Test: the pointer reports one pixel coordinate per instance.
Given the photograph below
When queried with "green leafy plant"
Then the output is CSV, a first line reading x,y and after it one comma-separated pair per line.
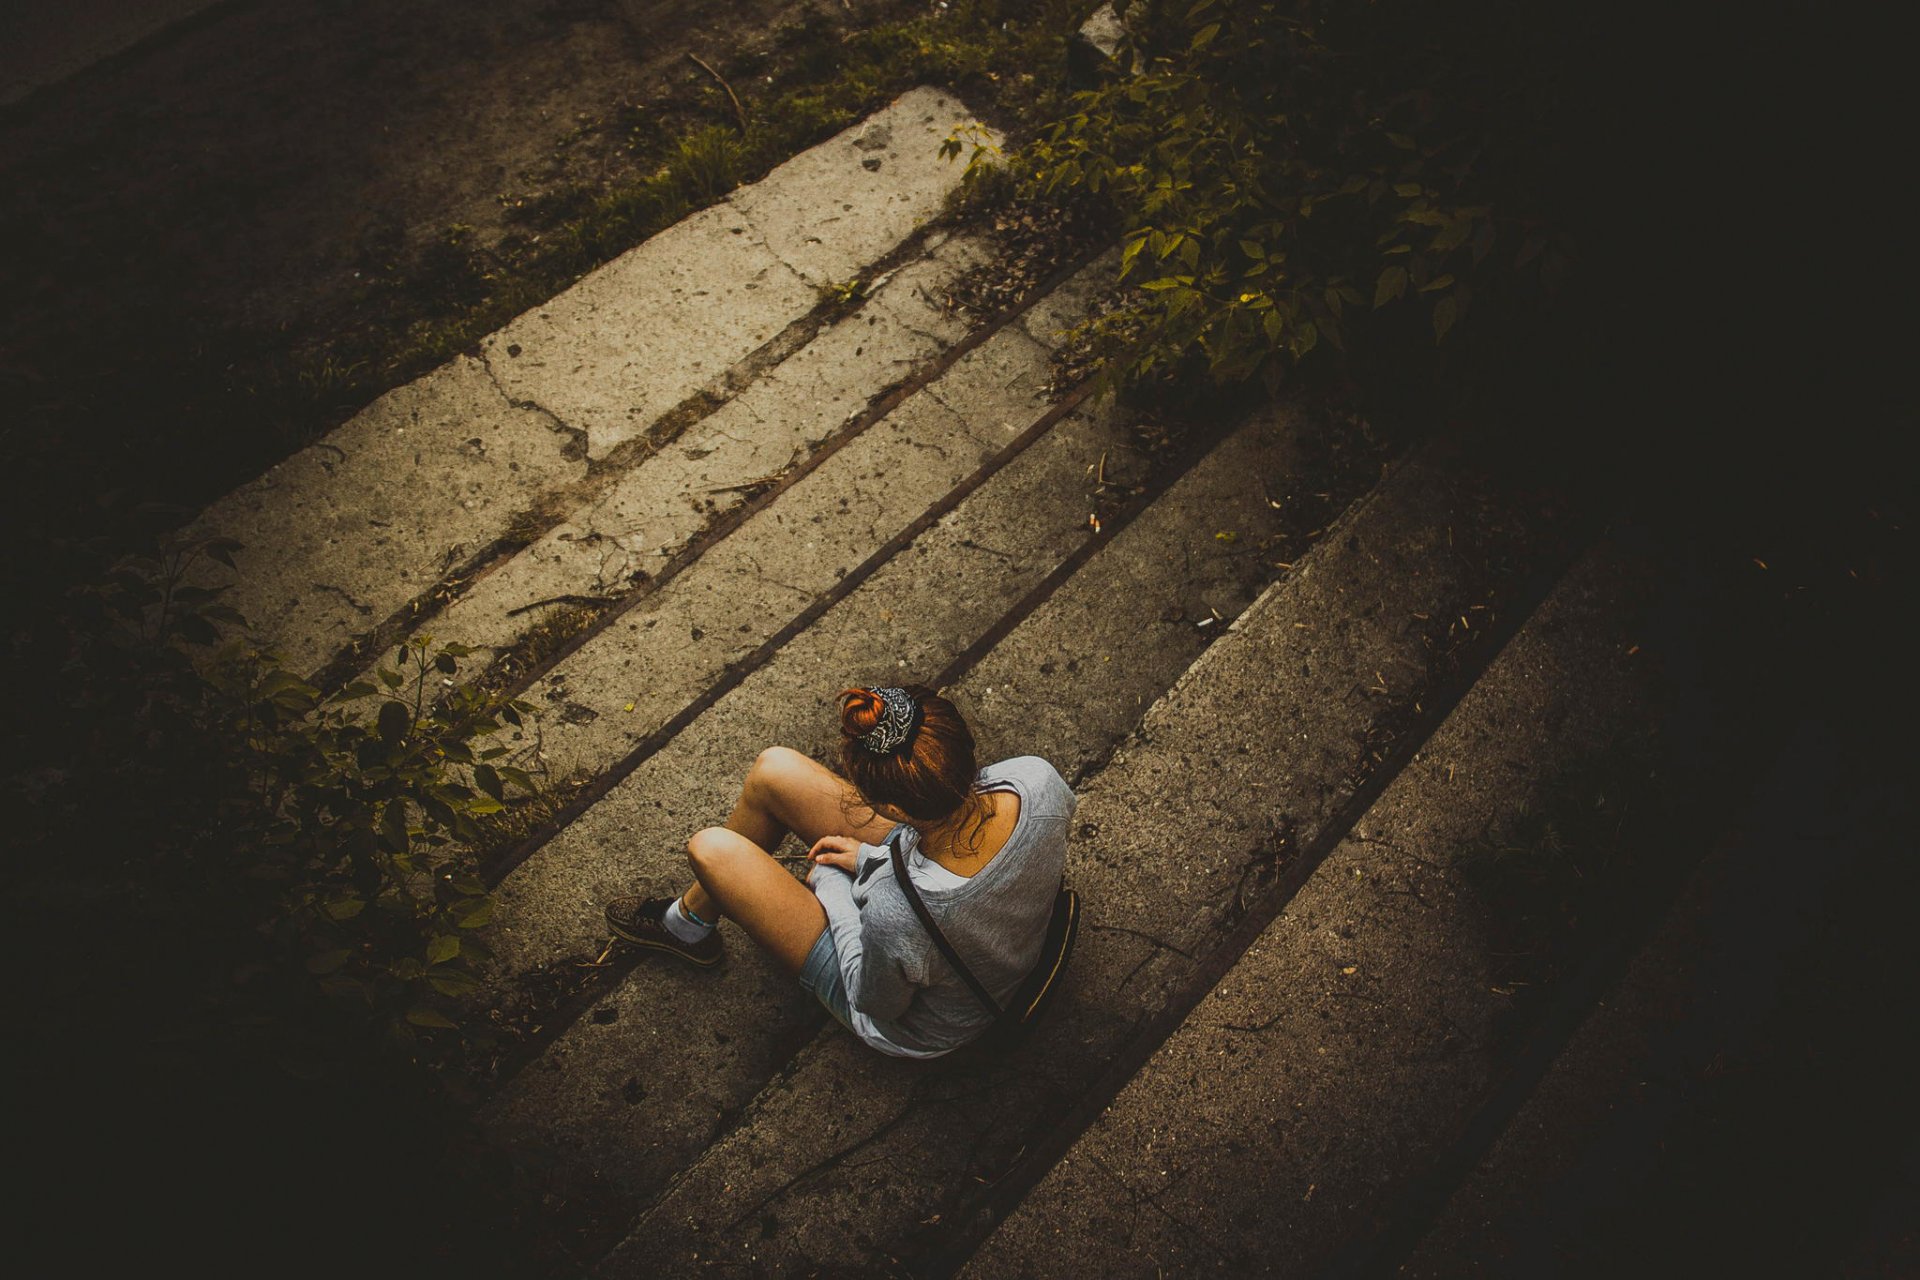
x,y
363,819
339,824
1278,171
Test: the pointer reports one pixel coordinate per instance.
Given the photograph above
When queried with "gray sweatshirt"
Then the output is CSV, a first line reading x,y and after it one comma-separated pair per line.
x,y
906,999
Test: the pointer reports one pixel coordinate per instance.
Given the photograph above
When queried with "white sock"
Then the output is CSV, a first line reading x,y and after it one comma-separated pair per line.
x,y
683,926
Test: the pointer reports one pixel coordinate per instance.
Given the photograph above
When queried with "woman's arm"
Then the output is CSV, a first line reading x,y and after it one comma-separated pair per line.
x,y
881,964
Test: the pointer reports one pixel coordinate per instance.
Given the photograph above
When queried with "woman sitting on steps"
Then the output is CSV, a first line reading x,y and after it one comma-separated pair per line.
x,y
984,847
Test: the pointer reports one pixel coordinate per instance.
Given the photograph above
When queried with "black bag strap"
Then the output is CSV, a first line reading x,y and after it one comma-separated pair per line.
x,y
939,938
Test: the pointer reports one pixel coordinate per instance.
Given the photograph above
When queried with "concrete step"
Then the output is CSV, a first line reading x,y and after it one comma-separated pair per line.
x,y
844,516
637,524
1759,982
845,1163
626,1105
1349,1042
418,492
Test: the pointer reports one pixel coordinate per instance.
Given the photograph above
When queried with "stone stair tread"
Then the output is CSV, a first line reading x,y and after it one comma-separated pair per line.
x,y
345,533
1745,961
627,680
633,1105
901,615
780,1191
1350,1040
635,526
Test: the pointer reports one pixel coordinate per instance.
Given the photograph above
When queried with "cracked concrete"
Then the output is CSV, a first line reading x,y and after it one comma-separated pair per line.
x,y
373,508
642,519
634,836
376,510
660,656
1353,1035
641,334
1139,854
831,214
576,437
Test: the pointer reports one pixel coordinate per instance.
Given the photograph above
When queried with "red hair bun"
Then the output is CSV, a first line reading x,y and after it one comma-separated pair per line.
x,y
860,711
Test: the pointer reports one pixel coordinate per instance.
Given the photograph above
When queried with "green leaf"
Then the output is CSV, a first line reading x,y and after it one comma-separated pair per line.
x,y
452,982
445,664
1444,313
421,1016
481,806
196,629
1204,37
1254,249
393,825
327,961
476,916
443,948
1483,241
1406,188
391,679
344,908
489,780
1392,283
396,718
1436,284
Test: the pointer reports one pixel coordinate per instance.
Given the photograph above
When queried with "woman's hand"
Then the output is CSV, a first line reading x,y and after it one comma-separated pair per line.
x,y
836,851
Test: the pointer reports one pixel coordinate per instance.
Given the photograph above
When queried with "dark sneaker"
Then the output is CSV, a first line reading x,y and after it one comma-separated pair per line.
x,y
638,920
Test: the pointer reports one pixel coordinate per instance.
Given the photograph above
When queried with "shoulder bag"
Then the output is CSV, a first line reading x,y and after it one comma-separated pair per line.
x,y
1041,982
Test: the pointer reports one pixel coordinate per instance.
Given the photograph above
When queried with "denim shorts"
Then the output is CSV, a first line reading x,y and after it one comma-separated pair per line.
x,y
821,976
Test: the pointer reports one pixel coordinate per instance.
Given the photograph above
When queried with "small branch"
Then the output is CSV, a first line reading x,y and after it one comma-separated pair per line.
x,y
739,111
526,608
759,482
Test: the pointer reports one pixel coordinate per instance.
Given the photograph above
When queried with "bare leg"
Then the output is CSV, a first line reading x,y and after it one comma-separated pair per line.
x,y
735,874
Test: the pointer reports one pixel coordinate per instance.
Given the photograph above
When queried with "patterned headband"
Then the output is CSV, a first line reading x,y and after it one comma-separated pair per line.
x,y
899,717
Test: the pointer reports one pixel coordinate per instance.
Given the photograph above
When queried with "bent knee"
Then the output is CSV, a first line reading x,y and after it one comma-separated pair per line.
x,y
778,765
711,846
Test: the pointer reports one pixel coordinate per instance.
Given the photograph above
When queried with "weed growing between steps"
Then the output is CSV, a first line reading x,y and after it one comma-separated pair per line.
x,y
1355,194
322,837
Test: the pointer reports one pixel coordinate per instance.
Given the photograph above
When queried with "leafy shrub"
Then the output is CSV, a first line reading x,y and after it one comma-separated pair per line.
x,y
361,820
333,823
1279,170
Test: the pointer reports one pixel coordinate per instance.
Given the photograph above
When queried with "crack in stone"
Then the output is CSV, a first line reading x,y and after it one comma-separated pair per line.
x,y
1142,1200
577,439
759,237
1253,1028
1144,937
364,610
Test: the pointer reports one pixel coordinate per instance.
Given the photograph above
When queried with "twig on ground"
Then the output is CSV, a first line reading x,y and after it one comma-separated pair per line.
x,y
739,111
561,600
759,482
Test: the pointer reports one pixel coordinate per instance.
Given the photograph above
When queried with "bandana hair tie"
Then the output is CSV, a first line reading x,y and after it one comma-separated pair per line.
x,y
899,717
